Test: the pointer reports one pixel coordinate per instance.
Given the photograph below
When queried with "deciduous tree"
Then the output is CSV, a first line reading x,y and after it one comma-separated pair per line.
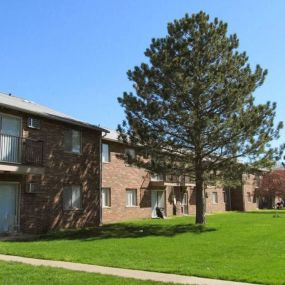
x,y
273,184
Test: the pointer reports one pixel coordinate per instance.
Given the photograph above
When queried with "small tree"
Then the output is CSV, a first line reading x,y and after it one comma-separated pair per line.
x,y
273,185
193,111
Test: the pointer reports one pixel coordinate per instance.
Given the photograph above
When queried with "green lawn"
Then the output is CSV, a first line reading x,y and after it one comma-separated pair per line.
x,y
235,246
22,274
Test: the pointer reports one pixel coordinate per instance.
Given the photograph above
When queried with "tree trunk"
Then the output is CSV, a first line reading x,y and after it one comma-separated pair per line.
x,y
200,199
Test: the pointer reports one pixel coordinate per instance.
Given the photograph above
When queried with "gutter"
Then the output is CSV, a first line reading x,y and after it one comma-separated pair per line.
x,y
56,118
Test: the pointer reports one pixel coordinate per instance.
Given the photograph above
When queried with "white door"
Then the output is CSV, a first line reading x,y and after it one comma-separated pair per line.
x,y
8,207
157,200
10,143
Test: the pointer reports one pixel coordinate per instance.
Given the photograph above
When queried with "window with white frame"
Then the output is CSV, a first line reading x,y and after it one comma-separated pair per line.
x,y
10,144
106,197
131,197
215,197
72,141
131,154
105,153
72,197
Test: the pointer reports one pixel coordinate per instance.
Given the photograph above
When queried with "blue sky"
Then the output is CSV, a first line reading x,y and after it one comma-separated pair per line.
x,y
73,55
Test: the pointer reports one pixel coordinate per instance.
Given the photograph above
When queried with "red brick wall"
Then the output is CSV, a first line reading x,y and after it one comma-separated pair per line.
x,y
169,191
118,176
250,183
239,195
43,211
210,206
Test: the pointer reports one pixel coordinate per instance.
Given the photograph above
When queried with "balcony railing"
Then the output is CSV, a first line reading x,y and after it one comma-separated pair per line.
x,y
14,149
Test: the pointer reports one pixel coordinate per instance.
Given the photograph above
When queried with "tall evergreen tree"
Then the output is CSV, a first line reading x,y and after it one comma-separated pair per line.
x,y
193,110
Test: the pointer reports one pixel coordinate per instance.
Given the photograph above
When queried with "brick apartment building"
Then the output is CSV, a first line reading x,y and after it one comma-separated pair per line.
x,y
50,169
51,172
129,192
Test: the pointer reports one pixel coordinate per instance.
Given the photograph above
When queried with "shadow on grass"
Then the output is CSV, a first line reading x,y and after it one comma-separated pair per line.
x,y
122,230
267,212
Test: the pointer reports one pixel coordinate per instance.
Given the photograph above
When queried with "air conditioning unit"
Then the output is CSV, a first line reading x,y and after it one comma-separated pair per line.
x,y
32,188
34,123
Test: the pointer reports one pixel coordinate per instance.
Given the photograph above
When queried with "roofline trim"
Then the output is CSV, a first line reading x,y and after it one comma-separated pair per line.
x,y
57,118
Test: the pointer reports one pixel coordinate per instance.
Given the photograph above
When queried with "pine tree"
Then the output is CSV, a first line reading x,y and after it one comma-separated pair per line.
x,y
193,110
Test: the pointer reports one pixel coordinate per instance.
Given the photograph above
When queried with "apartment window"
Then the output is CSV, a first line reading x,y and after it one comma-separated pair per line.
x,y
105,153
72,141
215,197
72,197
248,197
106,197
131,197
10,144
131,154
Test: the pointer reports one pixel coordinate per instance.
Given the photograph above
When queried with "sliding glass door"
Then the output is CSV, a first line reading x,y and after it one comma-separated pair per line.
x,y
9,193
10,142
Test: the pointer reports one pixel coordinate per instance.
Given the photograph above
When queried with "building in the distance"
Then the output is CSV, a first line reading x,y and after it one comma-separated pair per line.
x,y
129,192
57,172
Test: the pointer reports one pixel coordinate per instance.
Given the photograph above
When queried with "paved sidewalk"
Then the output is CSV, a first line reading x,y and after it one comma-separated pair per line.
x,y
127,273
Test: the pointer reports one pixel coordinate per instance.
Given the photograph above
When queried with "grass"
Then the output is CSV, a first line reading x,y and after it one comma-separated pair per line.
x,y
233,246
22,274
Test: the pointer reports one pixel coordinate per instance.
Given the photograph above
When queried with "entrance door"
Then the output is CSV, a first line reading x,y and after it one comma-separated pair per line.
x,y
10,128
185,209
8,207
157,200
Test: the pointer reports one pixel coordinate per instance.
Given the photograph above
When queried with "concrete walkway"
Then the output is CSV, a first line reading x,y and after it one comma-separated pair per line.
x,y
127,273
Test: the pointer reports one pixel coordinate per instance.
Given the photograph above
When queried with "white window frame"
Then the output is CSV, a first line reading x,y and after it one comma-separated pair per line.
x,y
20,132
215,198
72,149
133,202
108,152
71,189
15,117
106,203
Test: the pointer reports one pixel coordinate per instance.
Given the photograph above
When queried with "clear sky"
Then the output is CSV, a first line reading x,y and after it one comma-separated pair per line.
x,y
73,55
